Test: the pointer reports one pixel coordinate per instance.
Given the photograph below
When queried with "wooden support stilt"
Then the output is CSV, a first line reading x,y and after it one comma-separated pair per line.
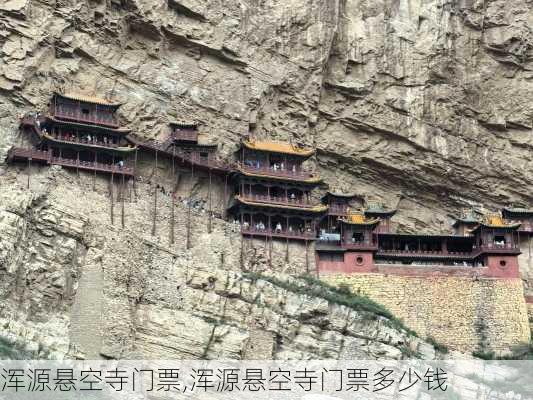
x,y
269,237
287,250
135,173
96,166
171,227
154,179
270,245
225,199
242,243
189,210
210,223
29,173
111,199
306,256
122,217
78,164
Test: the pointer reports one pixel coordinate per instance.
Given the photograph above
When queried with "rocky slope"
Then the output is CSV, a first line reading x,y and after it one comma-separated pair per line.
x,y
422,104
75,286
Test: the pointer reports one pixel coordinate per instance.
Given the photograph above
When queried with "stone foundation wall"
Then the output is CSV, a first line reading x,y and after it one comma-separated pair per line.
x,y
529,304
461,312
525,261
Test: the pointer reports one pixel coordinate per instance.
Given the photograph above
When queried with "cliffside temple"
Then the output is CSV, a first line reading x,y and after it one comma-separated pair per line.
x,y
278,204
79,132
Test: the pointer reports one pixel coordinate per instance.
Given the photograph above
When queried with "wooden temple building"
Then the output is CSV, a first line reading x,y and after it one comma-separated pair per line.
x,y
79,132
521,215
273,193
273,198
492,243
184,148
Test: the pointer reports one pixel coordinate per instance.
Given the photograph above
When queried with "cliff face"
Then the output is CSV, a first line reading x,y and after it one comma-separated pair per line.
x,y
421,104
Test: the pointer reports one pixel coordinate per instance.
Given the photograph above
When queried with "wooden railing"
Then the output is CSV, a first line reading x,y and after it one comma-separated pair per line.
x,y
93,118
281,233
498,247
287,201
336,209
91,165
46,156
193,158
284,173
423,253
360,245
29,154
185,135
74,139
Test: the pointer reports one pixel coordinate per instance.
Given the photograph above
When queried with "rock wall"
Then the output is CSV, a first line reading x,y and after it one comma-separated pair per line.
x,y
530,312
425,105
75,285
465,314
525,262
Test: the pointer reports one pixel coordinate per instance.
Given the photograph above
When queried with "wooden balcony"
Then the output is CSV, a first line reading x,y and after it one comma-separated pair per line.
x,y
20,154
283,201
341,245
424,254
283,233
91,118
297,174
506,248
89,144
185,135
337,209
366,245
191,158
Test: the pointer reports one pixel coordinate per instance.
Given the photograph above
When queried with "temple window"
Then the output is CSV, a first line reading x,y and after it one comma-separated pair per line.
x,y
358,237
499,240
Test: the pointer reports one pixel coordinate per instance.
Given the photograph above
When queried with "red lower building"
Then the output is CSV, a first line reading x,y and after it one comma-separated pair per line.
x,y
489,249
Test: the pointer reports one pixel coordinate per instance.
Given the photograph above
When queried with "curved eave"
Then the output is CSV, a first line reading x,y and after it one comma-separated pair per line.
x,y
279,150
315,209
464,221
87,145
177,124
341,195
88,99
507,227
518,212
381,213
120,131
280,178
366,223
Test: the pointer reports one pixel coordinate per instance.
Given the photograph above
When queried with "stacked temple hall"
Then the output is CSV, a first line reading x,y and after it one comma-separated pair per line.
x,y
274,192
80,132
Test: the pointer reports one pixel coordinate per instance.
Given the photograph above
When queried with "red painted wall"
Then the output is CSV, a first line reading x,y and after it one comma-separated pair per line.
x,y
353,263
503,266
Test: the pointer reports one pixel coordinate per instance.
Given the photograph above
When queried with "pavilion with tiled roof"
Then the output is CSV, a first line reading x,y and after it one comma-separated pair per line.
x,y
274,188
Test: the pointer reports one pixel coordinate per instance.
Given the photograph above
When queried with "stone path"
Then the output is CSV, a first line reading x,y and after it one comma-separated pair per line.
x,y
86,315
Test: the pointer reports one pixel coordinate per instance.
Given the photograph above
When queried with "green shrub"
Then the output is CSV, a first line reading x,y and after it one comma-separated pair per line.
x,y
438,346
311,286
